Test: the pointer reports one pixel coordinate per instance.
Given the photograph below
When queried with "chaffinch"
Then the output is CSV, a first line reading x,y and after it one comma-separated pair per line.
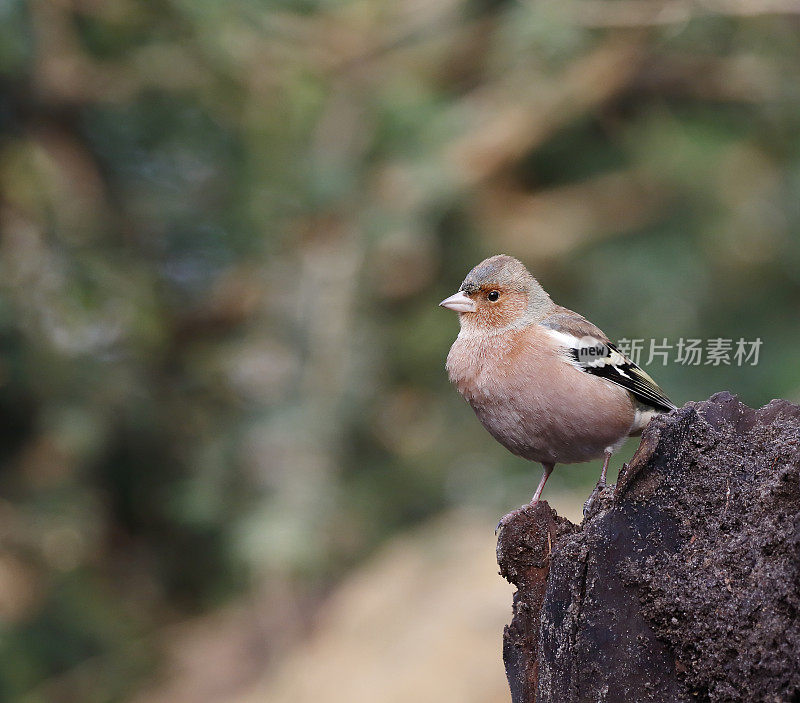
x,y
546,382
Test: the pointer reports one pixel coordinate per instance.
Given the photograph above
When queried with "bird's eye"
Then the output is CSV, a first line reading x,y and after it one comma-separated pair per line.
x,y
493,296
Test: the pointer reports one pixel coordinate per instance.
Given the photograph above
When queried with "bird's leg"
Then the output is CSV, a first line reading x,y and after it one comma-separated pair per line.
x,y
601,483
548,469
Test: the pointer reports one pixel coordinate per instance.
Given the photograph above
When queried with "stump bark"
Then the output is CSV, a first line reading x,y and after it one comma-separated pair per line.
x,y
683,582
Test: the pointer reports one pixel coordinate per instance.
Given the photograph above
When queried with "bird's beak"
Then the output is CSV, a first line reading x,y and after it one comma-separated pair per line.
x,y
460,302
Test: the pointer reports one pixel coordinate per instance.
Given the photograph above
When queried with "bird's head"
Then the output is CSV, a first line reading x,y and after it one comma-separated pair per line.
x,y
499,293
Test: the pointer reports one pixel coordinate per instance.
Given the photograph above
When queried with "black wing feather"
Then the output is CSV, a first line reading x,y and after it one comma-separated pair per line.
x,y
632,378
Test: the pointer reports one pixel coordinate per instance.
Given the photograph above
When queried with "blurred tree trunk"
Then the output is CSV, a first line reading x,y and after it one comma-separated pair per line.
x,y
682,584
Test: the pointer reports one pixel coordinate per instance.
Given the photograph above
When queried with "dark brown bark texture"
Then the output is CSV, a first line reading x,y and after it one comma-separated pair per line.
x,y
683,581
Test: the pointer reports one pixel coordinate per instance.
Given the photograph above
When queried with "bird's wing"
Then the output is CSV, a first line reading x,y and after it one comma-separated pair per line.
x,y
588,349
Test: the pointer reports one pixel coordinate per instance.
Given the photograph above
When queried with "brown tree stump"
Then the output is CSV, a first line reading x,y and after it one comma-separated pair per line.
x,y
682,584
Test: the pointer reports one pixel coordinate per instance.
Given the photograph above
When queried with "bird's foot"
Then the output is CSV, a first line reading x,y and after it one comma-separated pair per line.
x,y
592,500
510,516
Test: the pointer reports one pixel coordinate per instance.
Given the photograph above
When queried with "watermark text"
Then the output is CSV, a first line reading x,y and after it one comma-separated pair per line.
x,y
692,352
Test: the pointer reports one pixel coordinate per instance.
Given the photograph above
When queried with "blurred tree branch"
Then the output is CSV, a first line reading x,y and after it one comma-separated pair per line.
x,y
508,123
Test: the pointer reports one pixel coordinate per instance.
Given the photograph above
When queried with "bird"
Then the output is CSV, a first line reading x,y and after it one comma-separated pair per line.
x,y
544,381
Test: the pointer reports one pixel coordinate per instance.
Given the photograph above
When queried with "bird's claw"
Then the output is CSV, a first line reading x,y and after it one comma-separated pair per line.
x,y
598,489
510,516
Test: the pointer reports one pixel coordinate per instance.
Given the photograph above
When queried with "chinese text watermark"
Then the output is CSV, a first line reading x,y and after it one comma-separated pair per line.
x,y
692,352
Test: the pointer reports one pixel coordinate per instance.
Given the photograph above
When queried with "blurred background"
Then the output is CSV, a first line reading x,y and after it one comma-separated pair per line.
x,y
233,468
